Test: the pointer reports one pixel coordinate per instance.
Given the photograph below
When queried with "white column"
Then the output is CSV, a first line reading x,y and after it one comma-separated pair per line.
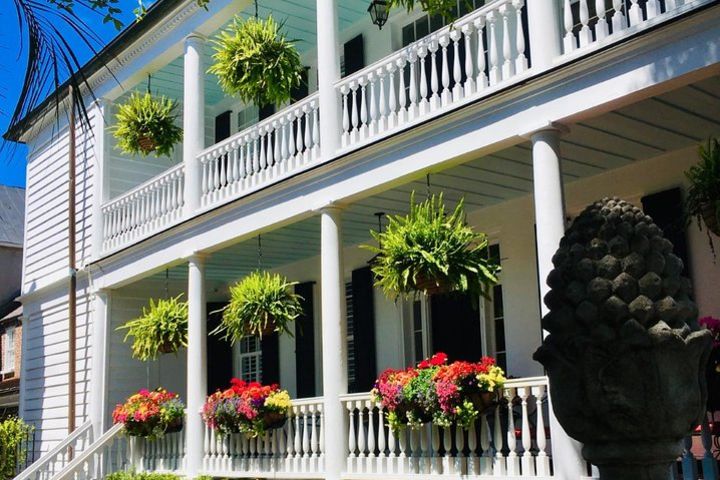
x,y
334,346
99,367
550,224
100,190
193,119
544,32
196,364
328,58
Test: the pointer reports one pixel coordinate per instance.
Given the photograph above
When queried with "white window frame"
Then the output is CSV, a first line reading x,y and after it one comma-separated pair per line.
x,y
241,355
8,351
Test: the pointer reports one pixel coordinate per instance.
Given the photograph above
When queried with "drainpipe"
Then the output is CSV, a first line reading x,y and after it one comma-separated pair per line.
x,y
72,301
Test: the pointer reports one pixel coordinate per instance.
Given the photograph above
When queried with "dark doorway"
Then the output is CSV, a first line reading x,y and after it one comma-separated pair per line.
x,y
455,327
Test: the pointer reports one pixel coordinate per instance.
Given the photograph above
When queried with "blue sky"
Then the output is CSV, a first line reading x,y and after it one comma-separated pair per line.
x,y
12,68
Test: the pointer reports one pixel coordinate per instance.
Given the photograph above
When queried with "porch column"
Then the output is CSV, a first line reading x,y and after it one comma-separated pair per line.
x,y
549,199
328,58
99,368
100,190
334,345
196,364
193,119
544,32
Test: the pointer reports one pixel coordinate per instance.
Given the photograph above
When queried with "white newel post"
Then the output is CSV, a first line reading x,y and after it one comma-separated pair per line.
x,y
99,369
328,58
193,119
550,224
544,33
334,346
196,365
100,191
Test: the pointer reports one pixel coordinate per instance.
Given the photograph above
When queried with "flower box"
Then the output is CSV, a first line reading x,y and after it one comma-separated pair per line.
x,y
150,414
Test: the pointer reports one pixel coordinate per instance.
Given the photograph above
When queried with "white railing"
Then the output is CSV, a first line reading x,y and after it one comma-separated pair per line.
x,y
109,453
295,450
145,209
164,454
593,22
462,61
261,154
58,457
512,440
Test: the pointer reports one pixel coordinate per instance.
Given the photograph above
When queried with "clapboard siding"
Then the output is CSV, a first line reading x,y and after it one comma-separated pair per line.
x,y
45,375
46,233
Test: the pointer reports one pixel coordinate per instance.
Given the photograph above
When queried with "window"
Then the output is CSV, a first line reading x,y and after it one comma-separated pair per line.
x,y
495,316
249,360
419,330
8,345
247,117
350,334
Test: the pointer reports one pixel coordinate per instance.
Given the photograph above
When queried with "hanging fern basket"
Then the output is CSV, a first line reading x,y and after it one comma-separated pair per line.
x,y
254,61
146,124
161,329
147,144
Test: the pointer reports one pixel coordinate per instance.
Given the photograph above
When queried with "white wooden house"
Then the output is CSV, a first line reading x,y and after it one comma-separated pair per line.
x,y
529,110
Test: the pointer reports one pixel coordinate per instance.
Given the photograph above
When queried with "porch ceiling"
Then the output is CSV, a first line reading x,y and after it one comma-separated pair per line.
x,y
649,128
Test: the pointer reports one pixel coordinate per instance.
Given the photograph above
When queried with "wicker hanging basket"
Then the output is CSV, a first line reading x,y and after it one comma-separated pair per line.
x,y
429,285
147,144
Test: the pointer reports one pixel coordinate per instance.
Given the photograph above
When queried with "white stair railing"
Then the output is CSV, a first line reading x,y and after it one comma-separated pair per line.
x,y
109,453
59,456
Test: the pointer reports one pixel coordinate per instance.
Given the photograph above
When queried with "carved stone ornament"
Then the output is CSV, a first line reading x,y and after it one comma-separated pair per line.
x,y
625,355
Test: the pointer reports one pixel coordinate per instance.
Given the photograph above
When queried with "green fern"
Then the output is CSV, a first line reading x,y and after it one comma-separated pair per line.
x,y
162,328
704,180
259,301
144,115
255,62
444,8
428,243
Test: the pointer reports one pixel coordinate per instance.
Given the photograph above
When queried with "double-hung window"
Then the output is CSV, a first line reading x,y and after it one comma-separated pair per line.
x,y
8,350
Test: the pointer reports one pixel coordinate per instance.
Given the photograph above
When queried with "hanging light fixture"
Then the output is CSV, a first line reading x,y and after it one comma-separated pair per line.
x,y
379,11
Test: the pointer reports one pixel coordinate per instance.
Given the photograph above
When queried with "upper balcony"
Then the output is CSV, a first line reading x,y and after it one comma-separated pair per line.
x,y
414,70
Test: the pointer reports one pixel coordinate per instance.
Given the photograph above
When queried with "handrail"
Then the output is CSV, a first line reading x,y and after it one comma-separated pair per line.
x,y
80,460
54,452
112,202
265,122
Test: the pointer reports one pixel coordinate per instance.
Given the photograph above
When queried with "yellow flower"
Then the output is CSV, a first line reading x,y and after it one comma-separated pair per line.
x,y
279,400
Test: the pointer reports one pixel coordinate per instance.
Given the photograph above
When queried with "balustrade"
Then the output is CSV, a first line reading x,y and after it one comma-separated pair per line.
x,y
144,210
436,72
261,154
510,440
296,449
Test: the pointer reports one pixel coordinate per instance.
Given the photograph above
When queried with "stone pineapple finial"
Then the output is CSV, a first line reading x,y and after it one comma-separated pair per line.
x,y
625,355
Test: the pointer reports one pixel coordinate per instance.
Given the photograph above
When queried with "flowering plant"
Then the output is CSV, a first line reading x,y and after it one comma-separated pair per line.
x,y
150,414
246,407
447,394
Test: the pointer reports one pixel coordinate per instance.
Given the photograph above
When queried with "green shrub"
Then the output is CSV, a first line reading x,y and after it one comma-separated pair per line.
x,y
445,8
162,328
130,475
14,434
256,63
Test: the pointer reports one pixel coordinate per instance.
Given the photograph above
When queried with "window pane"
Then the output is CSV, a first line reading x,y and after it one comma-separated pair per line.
x,y
408,34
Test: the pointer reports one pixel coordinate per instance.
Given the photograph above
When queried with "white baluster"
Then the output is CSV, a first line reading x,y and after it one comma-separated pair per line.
x,y
435,464
284,149
425,447
392,96
460,447
482,78
277,146
601,26
652,9
499,466
422,52
568,23
313,434
457,91
412,94
542,460
307,119
382,100
316,130
305,439
445,94
528,462
321,440
402,95
352,445
671,5
373,105
619,21
392,452
493,55
415,453
513,461
447,463
635,15
291,138
354,116
372,440
262,160
585,34
521,61
299,135
403,460
469,87
473,463
381,445
363,108
362,438
345,91
508,69
434,81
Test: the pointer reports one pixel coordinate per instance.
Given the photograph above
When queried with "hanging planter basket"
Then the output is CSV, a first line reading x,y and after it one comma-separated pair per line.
x,y
432,251
485,402
255,62
146,124
260,304
274,420
161,329
710,217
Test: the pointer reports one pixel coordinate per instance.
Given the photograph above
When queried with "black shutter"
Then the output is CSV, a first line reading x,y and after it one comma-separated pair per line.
x,y
363,330
354,55
266,111
222,126
302,90
666,209
270,348
305,343
219,359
